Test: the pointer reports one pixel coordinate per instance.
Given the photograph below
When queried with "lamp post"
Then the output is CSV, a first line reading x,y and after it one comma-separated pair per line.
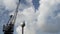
x,y
23,25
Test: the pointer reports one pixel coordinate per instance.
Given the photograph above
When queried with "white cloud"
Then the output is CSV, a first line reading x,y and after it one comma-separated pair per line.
x,y
48,20
10,4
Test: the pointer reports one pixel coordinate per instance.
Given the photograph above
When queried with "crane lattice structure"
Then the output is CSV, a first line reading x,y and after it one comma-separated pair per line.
x,y
9,27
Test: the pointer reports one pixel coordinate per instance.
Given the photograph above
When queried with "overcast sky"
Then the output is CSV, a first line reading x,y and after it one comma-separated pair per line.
x,y
40,16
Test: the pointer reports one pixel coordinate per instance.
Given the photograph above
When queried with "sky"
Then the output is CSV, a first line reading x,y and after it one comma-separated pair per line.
x,y
40,16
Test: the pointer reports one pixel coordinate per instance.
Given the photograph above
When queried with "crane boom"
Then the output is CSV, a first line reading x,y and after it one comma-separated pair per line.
x,y
9,27
15,14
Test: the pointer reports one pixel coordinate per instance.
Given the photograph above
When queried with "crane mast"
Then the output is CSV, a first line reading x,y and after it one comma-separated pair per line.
x,y
9,27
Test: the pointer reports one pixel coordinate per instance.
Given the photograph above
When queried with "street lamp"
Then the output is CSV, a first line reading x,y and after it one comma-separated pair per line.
x,y
23,25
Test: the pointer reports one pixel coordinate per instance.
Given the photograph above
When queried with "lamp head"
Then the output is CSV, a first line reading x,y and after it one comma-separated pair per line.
x,y
23,24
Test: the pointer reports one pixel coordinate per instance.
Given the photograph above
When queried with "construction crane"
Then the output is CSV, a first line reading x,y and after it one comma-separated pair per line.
x,y
9,27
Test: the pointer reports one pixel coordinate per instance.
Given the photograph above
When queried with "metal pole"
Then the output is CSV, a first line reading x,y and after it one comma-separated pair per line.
x,y
22,30
23,25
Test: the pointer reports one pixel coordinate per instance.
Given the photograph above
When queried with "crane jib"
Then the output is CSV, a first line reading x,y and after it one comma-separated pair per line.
x,y
15,14
9,27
